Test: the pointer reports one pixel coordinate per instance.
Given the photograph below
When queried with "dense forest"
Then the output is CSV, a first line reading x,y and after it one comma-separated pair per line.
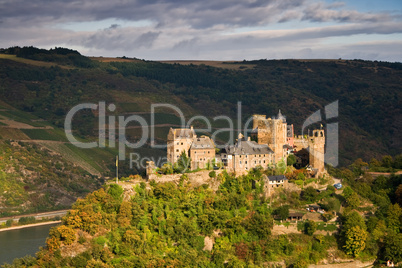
x,y
174,225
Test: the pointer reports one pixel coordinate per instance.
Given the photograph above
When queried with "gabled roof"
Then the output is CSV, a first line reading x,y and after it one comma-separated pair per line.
x,y
246,147
182,132
202,142
277,178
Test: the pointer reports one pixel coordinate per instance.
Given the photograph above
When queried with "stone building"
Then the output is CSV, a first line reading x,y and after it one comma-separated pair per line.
x,y
272,132
245,155
202,152
272,140
315,145
279,136
273,182
179,140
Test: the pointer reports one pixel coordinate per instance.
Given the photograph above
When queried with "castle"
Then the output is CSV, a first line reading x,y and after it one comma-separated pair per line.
x,y
270,142
201,150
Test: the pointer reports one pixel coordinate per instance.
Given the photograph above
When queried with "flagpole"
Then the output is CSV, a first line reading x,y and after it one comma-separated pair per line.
x,y
117,169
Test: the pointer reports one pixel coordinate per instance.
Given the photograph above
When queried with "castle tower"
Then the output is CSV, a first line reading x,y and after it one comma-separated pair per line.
x,y
179,140
273,132
317,150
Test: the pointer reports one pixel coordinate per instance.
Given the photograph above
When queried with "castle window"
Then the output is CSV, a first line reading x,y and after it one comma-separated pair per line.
x,y
177,150
240,162
208,151
181,143
177,143
246,162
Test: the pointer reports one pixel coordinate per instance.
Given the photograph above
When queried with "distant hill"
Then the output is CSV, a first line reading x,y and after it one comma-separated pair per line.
x,y
47,84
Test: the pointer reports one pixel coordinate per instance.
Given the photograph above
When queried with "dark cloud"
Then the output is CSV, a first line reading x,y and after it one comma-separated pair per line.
x,y
188,28
196,14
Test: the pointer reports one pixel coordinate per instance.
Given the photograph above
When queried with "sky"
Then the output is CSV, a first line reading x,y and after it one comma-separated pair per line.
x,y
208,29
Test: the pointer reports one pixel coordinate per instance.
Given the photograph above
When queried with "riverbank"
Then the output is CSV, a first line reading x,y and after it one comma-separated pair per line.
x,y
28,225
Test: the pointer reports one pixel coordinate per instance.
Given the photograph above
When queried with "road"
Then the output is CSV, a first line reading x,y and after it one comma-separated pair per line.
x,y
37,216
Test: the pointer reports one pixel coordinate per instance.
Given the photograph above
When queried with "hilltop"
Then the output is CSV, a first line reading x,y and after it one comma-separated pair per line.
x,y
38,87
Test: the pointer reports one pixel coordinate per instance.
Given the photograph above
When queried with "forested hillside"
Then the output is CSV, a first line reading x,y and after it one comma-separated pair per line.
x,y
50,83
177,224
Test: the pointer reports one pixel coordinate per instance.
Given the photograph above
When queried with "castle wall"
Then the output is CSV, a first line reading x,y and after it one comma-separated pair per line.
x,y
200,157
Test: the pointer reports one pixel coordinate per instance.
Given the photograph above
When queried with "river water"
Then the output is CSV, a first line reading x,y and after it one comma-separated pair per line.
x,y
21,242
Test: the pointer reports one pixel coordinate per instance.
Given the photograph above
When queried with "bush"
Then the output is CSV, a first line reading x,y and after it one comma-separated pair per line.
x,y
116,191
212,174
26,220
9,222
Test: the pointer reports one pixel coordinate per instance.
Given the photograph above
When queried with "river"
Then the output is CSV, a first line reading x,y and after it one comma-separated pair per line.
x,y
21,242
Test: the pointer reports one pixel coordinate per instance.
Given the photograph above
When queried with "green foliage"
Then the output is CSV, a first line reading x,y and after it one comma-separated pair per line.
x,y
182,164
394,218
392,247
212,174
353,200
309,194
26,220
291,160
355,240
115,191
167,168
310,227
282,212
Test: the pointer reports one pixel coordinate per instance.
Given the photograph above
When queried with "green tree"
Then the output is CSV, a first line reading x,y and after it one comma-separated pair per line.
x,y
116,191
393,248
355,241
353,219
9,222
347,191
374,163
398,195
183,163
310,194
282,212
386,161
167,168
291,160
353,200
310,227
398,161
358,167
394,216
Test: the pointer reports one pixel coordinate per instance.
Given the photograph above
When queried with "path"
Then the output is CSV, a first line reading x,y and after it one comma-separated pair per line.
x,y
28,225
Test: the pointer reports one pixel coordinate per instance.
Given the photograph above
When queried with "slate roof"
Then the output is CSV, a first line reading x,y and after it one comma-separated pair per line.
x,y
245,147
202,142
277,178
184,133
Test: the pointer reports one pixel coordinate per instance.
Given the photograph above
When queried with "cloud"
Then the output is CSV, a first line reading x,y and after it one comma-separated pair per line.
x,y
227,29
